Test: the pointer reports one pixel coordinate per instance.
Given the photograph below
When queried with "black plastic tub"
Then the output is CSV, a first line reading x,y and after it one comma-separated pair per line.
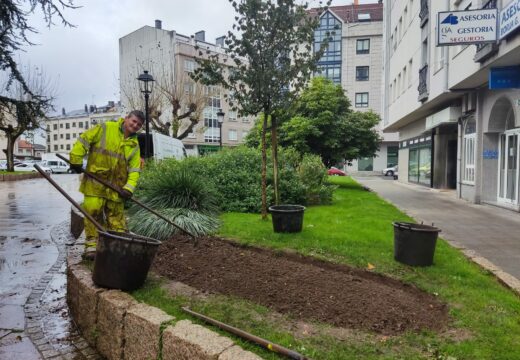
x,y
414,244
123,260
287,218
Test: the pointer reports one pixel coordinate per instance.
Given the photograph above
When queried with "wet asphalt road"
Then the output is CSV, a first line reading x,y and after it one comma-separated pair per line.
x,y
28,211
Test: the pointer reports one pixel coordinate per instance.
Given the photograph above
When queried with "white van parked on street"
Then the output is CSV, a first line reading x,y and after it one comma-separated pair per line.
x,y
57,166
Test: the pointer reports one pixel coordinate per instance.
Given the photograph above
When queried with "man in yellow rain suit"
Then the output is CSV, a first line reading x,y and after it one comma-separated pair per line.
x,y
113,155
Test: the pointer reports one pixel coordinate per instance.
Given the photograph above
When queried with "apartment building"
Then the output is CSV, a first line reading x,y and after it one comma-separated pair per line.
x,y
63,130
456,108
170,57
354,60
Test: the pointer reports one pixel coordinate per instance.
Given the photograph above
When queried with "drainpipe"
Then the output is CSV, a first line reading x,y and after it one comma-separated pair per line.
x,y
460,127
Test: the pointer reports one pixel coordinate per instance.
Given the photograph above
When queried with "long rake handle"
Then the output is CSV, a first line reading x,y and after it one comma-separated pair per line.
x,y
116,189
87,215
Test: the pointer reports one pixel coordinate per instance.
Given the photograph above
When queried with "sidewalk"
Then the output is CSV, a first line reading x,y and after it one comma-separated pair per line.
x,y
479,230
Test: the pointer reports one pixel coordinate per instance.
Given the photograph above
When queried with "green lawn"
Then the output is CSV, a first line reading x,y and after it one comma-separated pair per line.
x,y
356,230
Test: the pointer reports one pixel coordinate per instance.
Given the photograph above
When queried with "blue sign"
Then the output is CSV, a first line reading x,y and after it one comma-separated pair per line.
x,y
490,154
509,19
507,77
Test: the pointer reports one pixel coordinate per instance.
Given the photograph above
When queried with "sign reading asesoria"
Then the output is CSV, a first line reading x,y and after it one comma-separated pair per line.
x,y
467,27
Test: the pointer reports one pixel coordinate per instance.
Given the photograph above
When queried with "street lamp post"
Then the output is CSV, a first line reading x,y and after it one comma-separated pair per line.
x,y
146,86
220,119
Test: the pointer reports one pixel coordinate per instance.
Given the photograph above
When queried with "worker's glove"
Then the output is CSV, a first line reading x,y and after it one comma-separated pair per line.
x,y
125,194
77,168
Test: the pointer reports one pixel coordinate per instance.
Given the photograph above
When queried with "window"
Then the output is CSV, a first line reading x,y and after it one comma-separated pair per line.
x,y
232,116
404,79
67,126
362,73
61,146
329,65
233,135
55,137
67,136
332,72
80,124
74,135
61,136
189,65
469,152
363,46
48,148
86,124
55,126
73,124
55,147
68,147
48,138
362,100
61,126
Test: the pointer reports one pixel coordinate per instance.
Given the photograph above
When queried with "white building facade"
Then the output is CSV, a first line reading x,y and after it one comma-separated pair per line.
x,y
354,60
64,130
456,129
169,55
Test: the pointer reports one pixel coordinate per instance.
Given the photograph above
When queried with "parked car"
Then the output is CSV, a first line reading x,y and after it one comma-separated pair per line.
x,y
57,166
30,167
334,171
390,171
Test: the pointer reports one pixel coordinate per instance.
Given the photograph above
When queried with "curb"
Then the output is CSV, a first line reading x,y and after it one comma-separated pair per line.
x,y
119,327
19,177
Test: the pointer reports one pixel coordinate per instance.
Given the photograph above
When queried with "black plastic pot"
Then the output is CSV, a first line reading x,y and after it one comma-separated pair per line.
x,y
123,260
287,218
414,244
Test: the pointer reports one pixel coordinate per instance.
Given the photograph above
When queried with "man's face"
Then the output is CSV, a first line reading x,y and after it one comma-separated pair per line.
x,y
133,124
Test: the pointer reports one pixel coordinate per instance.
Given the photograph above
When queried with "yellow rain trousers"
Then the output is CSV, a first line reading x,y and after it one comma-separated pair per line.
x,y
114,159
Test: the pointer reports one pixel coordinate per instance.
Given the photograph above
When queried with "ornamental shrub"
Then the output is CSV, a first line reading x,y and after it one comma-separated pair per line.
x,y
313,175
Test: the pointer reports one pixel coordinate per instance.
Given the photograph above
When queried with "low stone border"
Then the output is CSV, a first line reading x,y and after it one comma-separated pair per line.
x,y
119,327
16,177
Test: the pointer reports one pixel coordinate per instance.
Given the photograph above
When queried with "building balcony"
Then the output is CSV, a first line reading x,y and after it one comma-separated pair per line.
x,y
423,83
424,14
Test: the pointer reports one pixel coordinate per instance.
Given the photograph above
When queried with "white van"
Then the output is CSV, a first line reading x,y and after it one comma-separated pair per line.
x,y
163,147
57,166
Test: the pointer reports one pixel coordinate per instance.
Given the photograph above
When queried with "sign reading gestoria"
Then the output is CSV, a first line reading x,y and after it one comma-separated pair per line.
x,y
467,27
509,19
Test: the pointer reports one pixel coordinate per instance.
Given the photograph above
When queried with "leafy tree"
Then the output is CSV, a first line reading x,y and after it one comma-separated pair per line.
x,y
272,59
325,124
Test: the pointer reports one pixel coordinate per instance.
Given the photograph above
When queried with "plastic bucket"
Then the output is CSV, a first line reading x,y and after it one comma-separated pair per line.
x,y
287,218
123,260
414,244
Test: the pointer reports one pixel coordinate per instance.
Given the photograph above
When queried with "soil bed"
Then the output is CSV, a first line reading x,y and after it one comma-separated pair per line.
x,y
303,287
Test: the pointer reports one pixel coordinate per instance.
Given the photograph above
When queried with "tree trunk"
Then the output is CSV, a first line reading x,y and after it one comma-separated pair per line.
x,y
274,146
11,139
264,170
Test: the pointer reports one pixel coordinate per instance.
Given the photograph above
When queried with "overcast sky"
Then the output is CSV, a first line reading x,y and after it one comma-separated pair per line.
x,y
84,60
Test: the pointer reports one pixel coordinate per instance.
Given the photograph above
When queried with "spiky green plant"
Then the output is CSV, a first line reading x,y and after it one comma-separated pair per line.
x,y
178,193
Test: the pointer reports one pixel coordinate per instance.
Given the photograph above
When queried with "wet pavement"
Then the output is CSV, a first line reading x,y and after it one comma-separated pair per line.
x,y
34,322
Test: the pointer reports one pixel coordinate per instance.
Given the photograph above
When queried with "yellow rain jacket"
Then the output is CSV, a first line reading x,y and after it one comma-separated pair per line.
x,y
110,157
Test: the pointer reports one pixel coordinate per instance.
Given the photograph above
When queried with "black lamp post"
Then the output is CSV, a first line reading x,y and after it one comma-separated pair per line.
x,y
146,85
220,119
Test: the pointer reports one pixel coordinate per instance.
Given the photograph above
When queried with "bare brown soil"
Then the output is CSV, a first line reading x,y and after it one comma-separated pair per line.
x,y
305,288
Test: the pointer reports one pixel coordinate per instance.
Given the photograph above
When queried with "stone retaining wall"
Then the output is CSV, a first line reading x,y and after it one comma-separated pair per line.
x,y
16,177
119,327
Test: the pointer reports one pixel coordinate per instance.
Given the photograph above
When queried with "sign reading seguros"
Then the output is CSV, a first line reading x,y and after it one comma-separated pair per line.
x,y
467,27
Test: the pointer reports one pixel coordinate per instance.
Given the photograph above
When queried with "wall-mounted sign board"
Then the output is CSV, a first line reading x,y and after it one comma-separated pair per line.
x,y
467,27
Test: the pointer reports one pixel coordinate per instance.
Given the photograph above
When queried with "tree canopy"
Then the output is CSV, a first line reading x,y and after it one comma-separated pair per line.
x,y
323,123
